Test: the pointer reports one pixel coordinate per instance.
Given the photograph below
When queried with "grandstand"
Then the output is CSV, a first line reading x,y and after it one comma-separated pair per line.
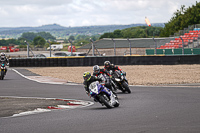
x,y
187,43
186,40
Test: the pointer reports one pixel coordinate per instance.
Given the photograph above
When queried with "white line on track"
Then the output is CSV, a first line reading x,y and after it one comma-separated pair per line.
x,y
44,79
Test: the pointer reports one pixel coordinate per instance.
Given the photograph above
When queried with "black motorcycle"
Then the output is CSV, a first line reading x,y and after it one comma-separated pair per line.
x,y
106,79
119,79
3,71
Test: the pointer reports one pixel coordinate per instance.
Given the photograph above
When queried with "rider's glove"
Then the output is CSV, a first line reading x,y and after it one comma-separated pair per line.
x,y
123,73
95,100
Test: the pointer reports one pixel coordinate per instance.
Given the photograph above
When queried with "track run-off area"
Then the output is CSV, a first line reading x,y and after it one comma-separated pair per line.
x,y
148,109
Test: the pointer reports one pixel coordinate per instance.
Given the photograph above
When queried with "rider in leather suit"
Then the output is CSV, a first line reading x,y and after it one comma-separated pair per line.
x,y
4,60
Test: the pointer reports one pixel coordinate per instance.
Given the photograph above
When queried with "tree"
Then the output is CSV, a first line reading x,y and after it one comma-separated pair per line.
x,y
32,35
39,41
182,19
28,35
46,36
107,35
72,38
134,32
117,34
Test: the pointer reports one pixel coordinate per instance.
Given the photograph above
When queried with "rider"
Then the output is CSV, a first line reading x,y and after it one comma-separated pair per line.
x,y
88,79
98,71
108,66
4,60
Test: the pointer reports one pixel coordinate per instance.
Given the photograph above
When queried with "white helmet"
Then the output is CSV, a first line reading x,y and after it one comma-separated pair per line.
x,y
96,69
3,54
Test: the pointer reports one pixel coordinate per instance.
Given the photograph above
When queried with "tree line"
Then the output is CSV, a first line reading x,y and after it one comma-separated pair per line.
x,y
134,32
181,19
34,39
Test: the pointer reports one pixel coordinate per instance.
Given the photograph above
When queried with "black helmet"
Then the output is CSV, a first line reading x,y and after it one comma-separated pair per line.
x,y
96,69
107,64
86,76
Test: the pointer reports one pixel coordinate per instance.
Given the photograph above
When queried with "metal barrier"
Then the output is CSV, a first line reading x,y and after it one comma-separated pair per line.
x,y
118,60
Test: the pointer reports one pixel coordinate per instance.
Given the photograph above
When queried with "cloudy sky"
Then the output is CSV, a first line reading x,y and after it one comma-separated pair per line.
x,y
18,13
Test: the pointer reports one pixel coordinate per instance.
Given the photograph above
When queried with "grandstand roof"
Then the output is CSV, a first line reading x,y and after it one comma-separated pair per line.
x,y
123,43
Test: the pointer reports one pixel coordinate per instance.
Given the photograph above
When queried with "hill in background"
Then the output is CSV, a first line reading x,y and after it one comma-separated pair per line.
x,y
61,32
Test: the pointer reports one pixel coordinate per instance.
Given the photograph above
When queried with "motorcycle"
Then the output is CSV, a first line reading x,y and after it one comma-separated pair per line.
x,y
106,79
103,95
119,79
2,70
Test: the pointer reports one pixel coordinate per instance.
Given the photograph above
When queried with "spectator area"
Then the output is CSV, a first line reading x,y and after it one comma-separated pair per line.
x,y
186,39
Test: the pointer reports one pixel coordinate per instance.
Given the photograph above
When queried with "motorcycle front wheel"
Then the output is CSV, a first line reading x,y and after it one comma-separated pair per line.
x,y
117,102
2,74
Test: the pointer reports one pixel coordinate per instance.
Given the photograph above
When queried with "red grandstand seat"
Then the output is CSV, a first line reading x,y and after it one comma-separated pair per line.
x,y
161,46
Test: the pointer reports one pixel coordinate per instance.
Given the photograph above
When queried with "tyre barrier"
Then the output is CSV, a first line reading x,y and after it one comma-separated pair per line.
x,y
118,60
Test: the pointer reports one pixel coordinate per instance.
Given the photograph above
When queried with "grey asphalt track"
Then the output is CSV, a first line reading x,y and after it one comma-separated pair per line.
x,y
145,110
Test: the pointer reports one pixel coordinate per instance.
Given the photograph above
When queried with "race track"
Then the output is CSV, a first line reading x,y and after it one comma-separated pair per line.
x,y
145,110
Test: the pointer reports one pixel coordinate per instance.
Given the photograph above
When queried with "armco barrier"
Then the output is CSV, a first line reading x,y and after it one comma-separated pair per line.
x,y
118,60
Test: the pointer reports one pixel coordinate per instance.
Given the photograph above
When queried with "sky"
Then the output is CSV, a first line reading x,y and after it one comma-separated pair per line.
x,y
33,13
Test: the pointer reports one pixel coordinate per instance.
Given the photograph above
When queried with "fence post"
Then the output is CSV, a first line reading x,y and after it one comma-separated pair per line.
x,y
27,48
49,47
92,47
71,46
155,52
182,46
114,47
129,45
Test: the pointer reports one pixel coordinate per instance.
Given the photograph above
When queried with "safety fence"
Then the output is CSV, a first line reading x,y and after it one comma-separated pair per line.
x,y
118,60
187,51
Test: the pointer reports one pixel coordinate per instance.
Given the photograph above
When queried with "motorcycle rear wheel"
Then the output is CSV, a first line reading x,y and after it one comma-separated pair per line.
x,y
125,85
105,101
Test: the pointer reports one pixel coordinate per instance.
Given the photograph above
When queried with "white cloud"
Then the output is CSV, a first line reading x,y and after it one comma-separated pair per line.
x,y
15,13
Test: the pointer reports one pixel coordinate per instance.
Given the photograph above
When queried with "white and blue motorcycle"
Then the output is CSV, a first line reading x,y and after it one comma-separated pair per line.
x,y
103,95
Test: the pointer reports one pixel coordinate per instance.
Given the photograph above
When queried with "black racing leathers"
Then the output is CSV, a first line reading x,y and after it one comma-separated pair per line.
x,y
87,83
103,71
113,68
5,61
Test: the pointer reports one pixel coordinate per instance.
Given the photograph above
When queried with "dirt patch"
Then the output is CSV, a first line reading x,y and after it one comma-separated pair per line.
x,y
136,74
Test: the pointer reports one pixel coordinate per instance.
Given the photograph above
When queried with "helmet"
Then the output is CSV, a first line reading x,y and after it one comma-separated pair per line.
x,y
2,57
96,69
86,76
3,54
107,64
